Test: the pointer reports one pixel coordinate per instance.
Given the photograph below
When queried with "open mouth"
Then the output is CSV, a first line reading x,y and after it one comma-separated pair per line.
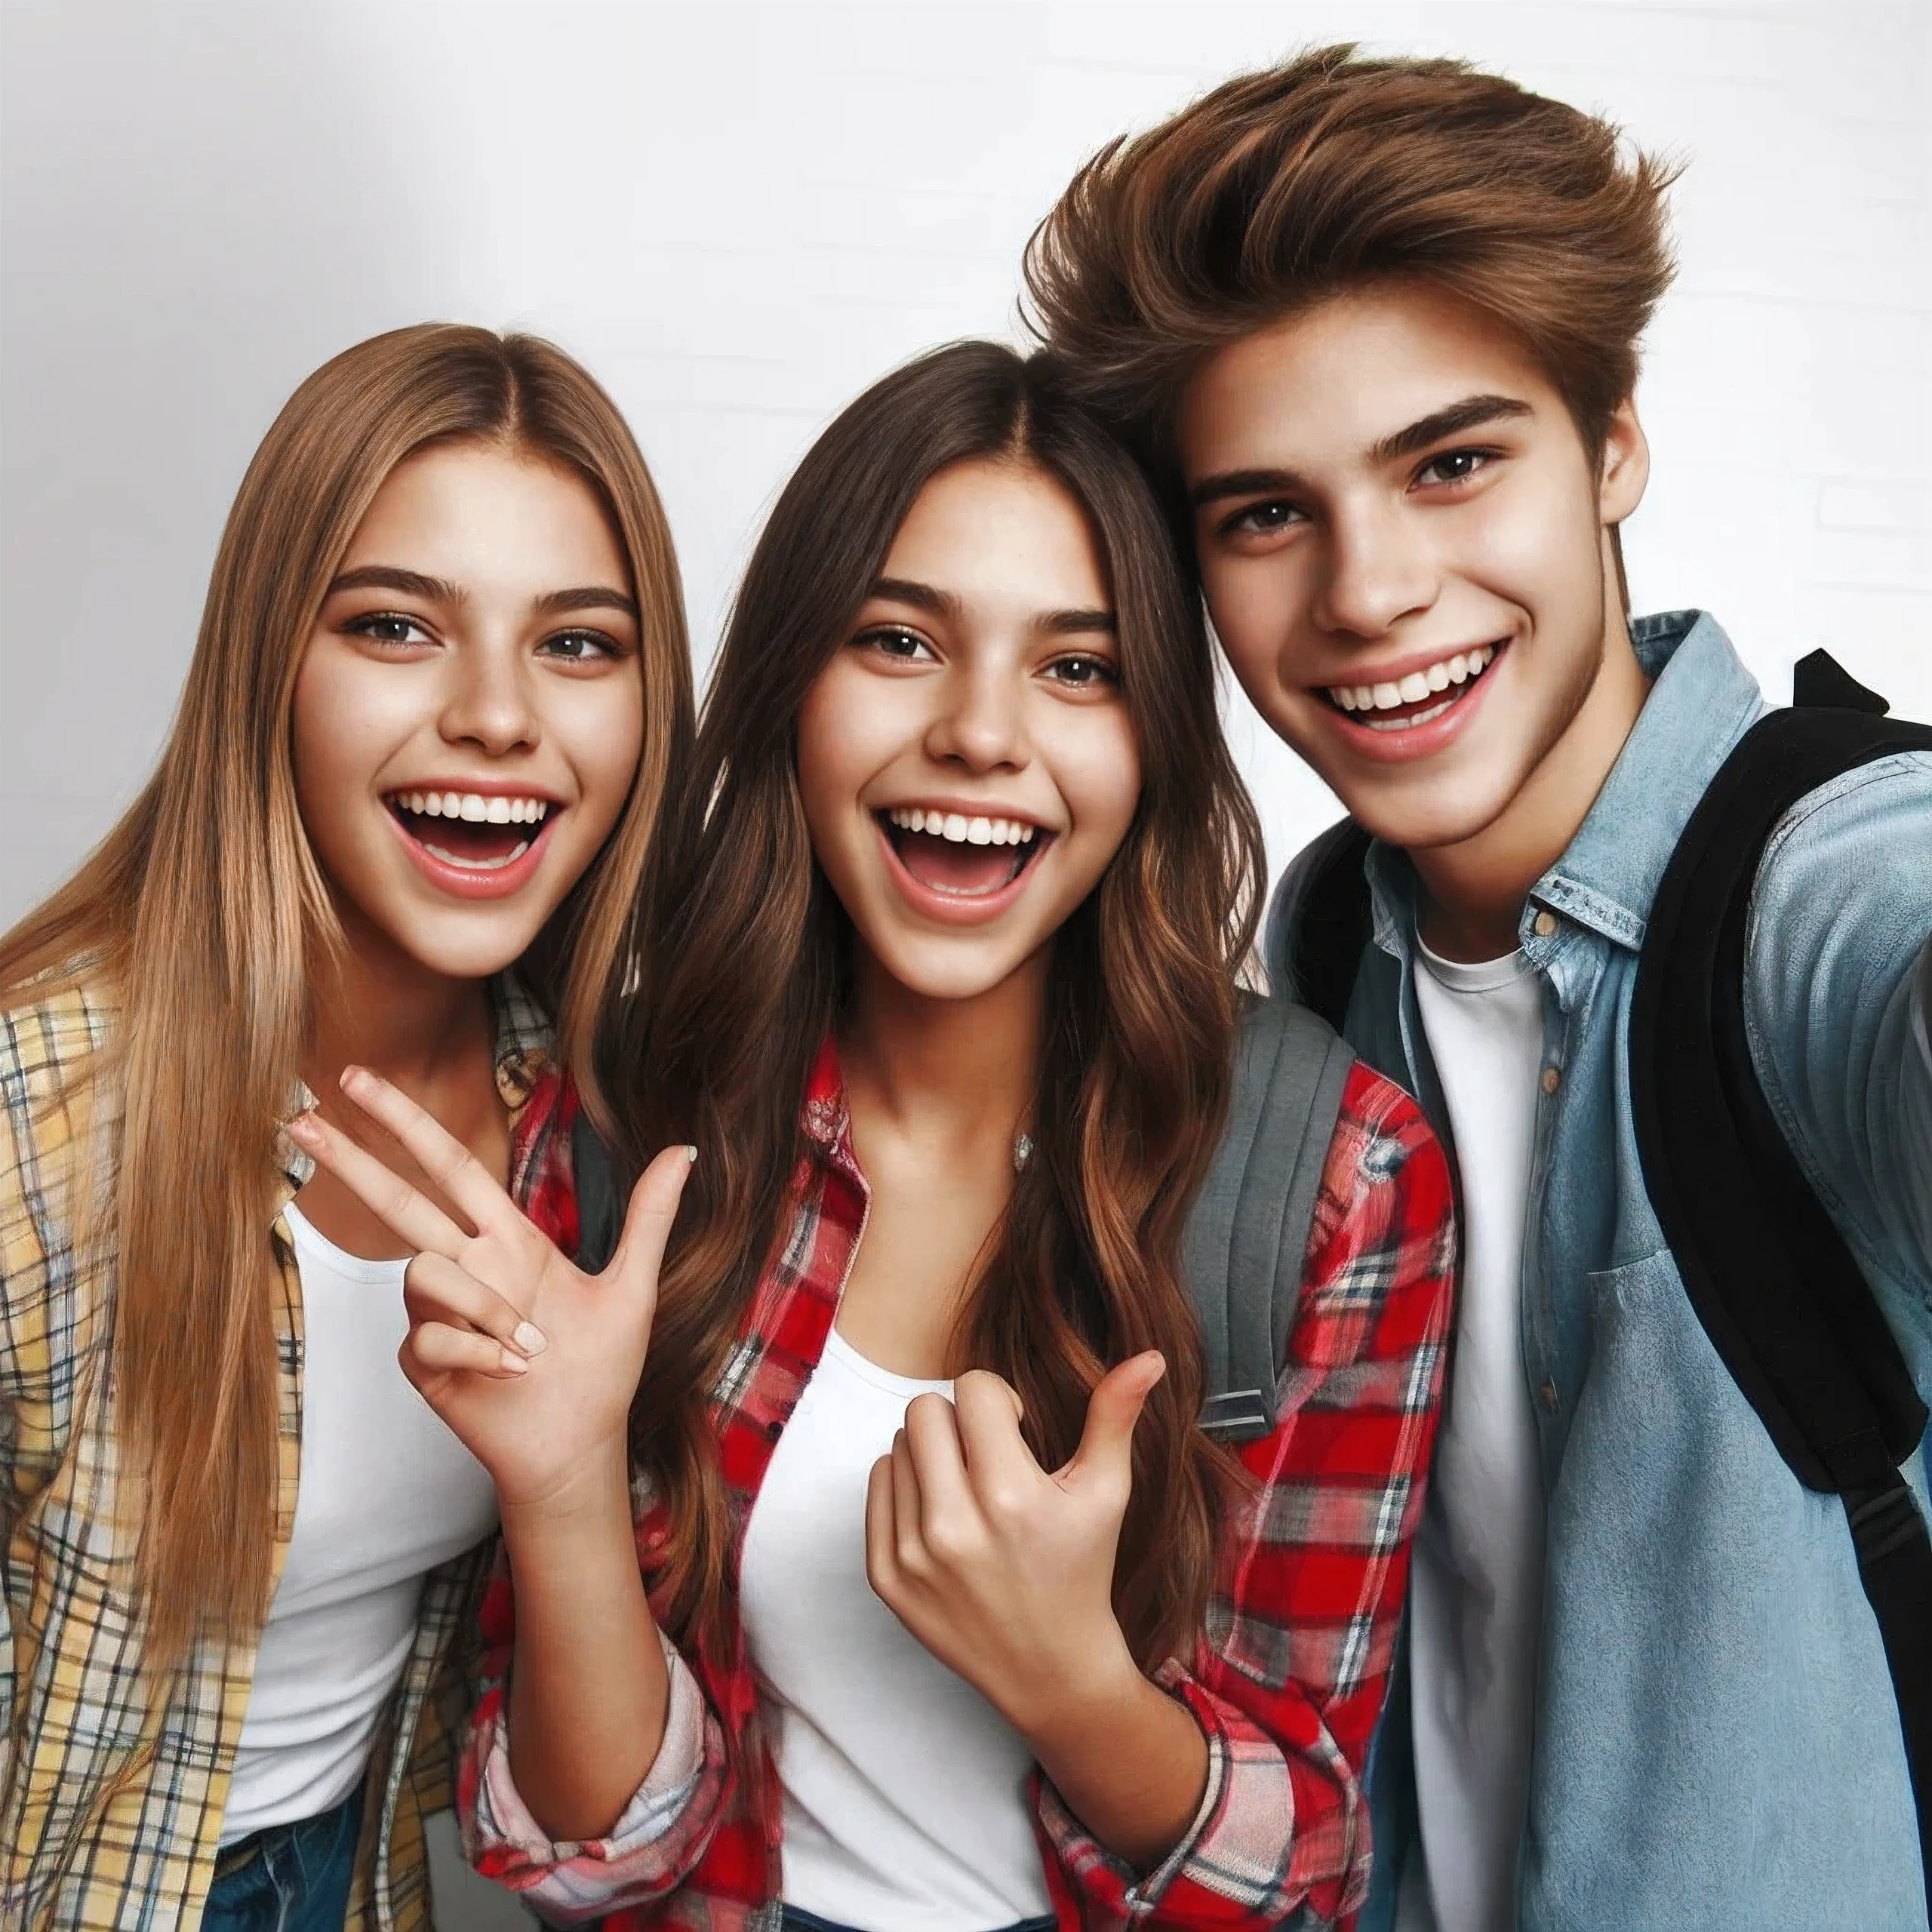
x,y
963,857
474,831
1419,697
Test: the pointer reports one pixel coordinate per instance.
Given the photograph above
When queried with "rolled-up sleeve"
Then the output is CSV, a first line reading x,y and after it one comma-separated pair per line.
x,y
658,1837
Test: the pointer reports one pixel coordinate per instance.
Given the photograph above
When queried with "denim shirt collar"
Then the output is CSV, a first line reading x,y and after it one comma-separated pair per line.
x,y
1701,702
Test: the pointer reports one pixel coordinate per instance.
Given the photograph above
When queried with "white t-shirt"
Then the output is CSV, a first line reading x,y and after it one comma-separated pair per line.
x,y
905,1803
1476,1594
385,1493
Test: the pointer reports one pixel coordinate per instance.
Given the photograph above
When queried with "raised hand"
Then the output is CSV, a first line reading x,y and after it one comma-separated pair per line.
x,y
1004,1571
530,1362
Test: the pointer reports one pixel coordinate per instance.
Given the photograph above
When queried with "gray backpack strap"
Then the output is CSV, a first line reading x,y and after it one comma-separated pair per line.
x,y
1247,1236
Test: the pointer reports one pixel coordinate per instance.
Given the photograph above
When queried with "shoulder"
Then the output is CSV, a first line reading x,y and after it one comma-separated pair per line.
x,y
1386,1195
1844,885
50,1036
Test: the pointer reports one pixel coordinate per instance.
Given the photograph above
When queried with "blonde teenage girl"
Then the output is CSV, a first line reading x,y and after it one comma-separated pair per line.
x,y
403,818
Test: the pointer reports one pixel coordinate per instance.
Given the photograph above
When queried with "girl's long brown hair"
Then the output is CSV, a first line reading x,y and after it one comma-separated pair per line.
x,y
204,917
1141,1010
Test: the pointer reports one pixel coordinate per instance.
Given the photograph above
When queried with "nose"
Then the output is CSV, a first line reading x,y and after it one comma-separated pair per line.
x,y
490,702
979,721
1379,569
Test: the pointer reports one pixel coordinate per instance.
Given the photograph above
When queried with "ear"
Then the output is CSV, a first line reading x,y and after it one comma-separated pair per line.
x,y
1624,468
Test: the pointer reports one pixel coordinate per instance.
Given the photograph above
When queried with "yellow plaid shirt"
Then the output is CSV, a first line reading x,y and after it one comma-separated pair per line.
x,y
111,1800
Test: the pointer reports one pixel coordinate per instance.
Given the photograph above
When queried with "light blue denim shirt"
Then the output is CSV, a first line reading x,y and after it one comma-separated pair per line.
x,y
1717,1744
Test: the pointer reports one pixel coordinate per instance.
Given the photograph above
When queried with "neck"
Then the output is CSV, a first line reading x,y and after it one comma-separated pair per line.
x,y
377,1007
963,1070
1473,892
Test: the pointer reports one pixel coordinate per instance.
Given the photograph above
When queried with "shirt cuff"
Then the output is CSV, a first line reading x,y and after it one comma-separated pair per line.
x,y
502,1818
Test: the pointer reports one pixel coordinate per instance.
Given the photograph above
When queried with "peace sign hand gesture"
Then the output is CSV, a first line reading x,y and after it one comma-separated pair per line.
x,y
530,1362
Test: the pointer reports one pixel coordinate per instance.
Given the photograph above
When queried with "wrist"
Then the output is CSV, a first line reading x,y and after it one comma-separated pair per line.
x,y
1083,1698
589,1496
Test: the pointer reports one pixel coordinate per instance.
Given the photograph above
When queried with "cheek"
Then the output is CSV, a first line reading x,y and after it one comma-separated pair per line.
x,y
1252,604
600,727
338,733
1099,776
851,725
1537,546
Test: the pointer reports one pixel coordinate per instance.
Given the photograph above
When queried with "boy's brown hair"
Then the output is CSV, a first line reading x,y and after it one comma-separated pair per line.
x,y
1332,172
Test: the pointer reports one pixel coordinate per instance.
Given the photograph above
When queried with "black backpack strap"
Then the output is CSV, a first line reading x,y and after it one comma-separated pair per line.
x,y
1769,1277
1323,923
1247,1238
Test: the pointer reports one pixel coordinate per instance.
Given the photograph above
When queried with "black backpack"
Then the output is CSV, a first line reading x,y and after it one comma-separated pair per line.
x,y
1246,1239
1771,1280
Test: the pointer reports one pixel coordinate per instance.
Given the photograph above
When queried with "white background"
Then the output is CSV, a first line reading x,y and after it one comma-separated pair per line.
x,y
739,215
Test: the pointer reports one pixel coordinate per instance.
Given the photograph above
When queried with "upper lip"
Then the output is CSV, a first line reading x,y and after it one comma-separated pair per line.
x,y
1394,671
483,788
967,808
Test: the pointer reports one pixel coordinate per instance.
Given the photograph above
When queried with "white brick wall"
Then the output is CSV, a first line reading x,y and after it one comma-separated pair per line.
x,y
739,214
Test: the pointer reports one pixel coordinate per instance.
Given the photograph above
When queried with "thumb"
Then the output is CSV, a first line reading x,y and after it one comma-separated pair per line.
x,y
1106,1443
647,1222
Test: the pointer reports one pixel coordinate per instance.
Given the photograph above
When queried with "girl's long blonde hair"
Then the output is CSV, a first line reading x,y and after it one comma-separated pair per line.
x,y
204,915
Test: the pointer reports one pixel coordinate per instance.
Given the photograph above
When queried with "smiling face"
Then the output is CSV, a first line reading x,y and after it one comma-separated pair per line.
x,y
1404,546
966,764
468,713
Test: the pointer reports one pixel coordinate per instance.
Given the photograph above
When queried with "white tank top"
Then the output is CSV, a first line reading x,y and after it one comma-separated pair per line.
x,y
385,1493
905,1791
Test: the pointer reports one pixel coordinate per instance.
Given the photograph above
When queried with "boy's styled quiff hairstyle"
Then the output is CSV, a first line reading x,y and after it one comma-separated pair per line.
x,y
1331,172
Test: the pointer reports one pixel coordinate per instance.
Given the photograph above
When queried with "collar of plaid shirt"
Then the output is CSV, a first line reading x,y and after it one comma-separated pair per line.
x,y
111,1800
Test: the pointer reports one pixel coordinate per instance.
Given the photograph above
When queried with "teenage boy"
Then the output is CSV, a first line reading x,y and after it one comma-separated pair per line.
x,y
1373,324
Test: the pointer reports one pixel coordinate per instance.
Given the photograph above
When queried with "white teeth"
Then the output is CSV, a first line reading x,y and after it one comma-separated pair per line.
x,y
495,810
1413,688
959,829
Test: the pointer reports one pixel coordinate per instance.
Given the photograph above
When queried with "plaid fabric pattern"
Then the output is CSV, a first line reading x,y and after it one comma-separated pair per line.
x,y
111,1788
1286,1682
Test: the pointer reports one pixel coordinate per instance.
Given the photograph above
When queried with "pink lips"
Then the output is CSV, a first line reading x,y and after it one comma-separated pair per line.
x,y
954,908
462,881
1415,741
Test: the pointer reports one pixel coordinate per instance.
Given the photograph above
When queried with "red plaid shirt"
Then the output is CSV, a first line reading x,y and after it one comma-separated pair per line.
x,y
1286,1681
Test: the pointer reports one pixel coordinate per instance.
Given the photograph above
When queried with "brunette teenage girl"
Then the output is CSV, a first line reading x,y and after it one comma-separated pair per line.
x,y
403,818
951,1617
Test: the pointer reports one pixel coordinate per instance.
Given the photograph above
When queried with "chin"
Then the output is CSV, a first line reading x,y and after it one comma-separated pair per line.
x,y
453,952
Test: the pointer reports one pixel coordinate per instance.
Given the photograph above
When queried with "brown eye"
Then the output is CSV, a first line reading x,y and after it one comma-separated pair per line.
x,y
894,641
1455,466
579,647
1083,672
387,627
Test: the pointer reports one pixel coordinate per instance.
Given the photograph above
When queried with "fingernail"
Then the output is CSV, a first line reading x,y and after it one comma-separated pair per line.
x,y
690,1155
303,1127
515,1365
357,1080
529,1338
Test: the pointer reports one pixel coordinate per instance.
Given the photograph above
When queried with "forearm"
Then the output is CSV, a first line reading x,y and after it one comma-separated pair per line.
x,y
1129,1761
589,1686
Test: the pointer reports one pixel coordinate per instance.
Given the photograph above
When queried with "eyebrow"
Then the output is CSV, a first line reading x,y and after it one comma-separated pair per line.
x,y
440,590
1454,418
945,604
